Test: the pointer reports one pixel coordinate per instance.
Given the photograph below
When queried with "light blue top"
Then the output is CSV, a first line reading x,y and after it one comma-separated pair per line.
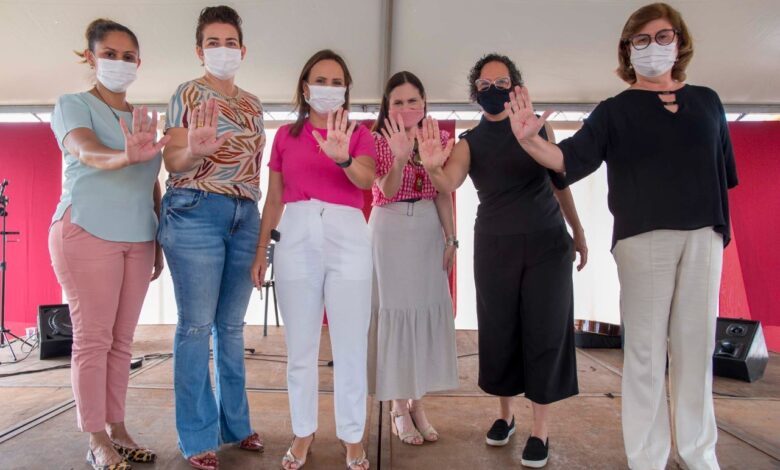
x,y
115,205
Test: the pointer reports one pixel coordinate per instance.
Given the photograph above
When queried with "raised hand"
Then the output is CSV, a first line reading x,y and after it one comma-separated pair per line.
x,y
525,124
141,143
400,143
336,144
202,137
432,153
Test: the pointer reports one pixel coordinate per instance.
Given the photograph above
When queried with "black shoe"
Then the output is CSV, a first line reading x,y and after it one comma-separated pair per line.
x,y
535,453
500,433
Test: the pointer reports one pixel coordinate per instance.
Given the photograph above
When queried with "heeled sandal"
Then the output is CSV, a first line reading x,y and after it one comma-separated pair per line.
x,y
207,461
123,465
135,454
359,463
430,434
290,459
407,437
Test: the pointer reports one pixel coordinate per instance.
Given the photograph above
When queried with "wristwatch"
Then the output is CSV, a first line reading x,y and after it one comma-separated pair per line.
x,y
346,163
452,241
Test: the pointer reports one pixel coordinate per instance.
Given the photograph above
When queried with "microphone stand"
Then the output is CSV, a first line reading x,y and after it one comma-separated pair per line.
x,y
5,333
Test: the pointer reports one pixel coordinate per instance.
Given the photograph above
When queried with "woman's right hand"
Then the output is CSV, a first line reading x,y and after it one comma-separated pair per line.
x,y
432,153
259,267
141,143
400,143
202,139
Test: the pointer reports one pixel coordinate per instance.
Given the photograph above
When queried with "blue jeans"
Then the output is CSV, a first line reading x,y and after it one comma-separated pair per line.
x,y
209,242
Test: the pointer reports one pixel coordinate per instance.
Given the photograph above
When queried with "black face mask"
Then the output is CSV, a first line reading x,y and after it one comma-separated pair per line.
x,y
492,100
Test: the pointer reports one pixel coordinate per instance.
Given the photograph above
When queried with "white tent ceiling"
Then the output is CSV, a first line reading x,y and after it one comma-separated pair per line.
x,y
565,48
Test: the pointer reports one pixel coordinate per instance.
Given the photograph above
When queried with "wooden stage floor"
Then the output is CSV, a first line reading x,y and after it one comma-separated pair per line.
x,y
38,430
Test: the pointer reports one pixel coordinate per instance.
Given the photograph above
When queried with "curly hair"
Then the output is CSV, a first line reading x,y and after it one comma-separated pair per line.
x,y
514,72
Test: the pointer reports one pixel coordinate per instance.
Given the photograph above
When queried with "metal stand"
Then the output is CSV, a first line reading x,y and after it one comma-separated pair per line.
x,y
5,333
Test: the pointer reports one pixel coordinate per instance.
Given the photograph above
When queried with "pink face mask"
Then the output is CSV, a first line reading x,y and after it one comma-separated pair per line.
x,y
411,117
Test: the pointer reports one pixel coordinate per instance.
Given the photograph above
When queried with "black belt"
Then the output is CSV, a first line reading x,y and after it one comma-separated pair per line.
x,y
411,201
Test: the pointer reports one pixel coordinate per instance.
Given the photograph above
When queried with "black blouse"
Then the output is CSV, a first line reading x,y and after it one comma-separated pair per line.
x,y
665,170
515,193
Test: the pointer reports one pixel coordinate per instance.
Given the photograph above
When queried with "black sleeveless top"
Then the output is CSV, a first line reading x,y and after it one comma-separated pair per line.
x,y
515,193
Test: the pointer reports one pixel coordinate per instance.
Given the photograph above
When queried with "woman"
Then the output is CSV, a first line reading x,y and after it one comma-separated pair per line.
x,y
667,147
102,236
319,166
524,307
209,231
413,328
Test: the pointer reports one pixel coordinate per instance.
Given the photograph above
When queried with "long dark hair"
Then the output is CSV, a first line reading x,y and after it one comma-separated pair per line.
x,y
99,29
299,102
395,81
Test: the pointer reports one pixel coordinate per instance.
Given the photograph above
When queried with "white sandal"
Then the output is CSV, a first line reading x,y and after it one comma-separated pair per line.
x,y
290,459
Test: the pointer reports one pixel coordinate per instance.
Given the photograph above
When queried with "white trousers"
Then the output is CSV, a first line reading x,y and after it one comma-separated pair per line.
x,y
324,261
669,285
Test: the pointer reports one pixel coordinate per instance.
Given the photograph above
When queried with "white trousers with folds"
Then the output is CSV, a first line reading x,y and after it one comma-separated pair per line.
x,y
323,261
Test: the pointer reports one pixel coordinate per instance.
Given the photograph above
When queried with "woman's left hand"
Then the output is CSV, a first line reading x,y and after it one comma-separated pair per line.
x,y
336,143
449,258
581,247
159,261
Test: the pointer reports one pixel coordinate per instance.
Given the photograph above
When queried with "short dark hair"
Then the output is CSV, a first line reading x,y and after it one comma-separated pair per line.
x,y
221,14
394,82
99,29
514,73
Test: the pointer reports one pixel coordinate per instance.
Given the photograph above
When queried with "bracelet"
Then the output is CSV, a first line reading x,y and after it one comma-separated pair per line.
x,y
452,241
347,163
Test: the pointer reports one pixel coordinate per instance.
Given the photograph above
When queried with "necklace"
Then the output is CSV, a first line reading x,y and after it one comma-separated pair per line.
x,y
416,163
100,95
232,101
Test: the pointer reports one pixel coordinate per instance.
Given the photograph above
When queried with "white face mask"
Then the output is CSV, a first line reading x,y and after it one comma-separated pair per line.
x,y
654,60
325,99
222,62
116,75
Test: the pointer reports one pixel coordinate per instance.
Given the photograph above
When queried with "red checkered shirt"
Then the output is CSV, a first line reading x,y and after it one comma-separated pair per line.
x,y
384,161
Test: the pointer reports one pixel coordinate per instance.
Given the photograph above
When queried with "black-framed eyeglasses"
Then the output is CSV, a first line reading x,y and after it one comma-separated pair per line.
x,y
663,37
502,83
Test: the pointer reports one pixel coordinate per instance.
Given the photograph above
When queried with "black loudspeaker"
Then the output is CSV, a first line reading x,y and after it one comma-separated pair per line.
x,y
55,330
740,350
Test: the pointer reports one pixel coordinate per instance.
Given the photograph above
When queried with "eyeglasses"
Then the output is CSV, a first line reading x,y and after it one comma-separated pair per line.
x,y
502,83
663,37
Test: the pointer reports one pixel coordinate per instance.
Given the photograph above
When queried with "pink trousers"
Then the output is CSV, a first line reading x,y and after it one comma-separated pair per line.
x,y
105,283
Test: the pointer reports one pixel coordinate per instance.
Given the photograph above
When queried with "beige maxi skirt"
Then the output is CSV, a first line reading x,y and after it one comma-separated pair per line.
x,y
412,335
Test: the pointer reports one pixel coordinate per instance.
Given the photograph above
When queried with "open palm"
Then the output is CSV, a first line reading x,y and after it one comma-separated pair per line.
x,y
395,134
141,143
432,153
202,133
336,144
525,124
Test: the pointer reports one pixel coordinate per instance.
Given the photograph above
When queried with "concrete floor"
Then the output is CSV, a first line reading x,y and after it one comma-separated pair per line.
x,y
37,416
